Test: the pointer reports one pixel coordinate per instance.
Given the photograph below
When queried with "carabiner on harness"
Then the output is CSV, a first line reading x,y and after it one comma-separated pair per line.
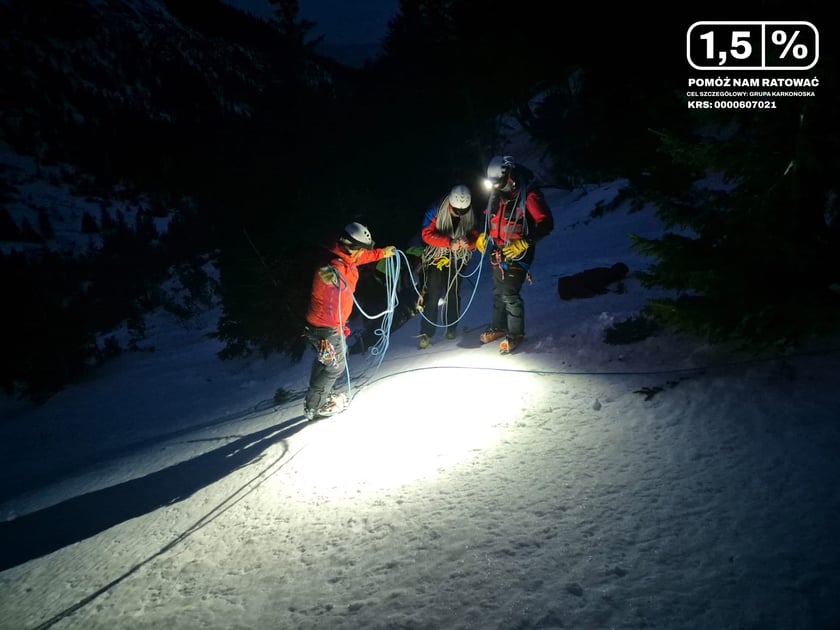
x,y
326,353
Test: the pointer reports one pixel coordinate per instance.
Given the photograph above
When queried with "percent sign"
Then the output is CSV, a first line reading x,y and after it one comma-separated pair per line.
x,y
780,38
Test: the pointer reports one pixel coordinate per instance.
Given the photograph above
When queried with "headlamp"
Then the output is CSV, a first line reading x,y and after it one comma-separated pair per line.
x,y
502,184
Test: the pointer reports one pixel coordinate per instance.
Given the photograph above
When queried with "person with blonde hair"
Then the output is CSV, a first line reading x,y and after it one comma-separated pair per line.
x,y
449,234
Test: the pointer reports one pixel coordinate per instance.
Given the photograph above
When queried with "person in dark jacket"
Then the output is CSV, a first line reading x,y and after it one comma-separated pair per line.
x,y
331,303
449,235
518,217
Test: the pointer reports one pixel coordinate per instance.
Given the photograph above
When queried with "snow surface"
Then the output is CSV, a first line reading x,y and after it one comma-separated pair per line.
x,y
663,484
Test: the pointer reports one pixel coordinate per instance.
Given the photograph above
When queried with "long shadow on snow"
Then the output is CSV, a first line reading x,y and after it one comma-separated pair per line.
x,y
40,478
40,533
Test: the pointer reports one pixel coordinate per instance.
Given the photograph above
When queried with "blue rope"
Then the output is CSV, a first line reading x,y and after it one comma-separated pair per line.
x,y
392,274
393,269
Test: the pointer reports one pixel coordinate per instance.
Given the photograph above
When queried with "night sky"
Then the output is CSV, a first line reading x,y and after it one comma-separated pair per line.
x,y
340,21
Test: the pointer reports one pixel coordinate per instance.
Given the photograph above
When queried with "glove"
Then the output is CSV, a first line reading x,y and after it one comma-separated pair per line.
x,y
389,251
457,243
515,249
328,275
482,241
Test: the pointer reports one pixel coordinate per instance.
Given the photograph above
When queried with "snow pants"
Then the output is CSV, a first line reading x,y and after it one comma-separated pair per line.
x,y
508,305
440,284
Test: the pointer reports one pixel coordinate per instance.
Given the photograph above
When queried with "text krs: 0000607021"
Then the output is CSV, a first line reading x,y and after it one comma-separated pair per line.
x,y
732,104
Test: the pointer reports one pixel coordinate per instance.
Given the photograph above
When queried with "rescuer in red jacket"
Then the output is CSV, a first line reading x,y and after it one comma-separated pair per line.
x,y
330,306
449,235
517,218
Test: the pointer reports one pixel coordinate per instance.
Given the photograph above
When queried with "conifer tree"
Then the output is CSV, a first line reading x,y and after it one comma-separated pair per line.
x,y
748,251
293,28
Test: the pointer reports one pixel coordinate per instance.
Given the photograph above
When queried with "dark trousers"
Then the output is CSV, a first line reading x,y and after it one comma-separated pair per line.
x,y
323,376
508,306
440,284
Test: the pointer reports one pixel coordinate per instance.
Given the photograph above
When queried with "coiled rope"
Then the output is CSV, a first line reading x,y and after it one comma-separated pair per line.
x,y
393,271
393,266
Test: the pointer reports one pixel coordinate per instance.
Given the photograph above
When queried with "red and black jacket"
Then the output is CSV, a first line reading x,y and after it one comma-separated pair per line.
x,y
331,304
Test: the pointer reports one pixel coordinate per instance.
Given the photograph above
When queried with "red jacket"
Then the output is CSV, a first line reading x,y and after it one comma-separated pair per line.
x,y
331,304
433,237
507,222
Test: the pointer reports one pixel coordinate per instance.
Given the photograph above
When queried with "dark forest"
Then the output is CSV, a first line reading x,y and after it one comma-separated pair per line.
x,y
257,148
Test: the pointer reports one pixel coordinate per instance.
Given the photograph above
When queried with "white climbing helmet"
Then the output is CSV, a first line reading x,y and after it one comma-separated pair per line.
x,y
356,236
498,172
460,198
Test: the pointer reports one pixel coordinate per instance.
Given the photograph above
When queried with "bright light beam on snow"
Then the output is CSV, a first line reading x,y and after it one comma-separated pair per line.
x,y
410,427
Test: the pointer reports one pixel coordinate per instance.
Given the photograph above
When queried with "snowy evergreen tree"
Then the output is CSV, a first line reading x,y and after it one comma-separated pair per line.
x,y
748,252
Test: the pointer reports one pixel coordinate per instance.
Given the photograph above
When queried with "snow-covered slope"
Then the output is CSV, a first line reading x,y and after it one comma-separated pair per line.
x,y
571,484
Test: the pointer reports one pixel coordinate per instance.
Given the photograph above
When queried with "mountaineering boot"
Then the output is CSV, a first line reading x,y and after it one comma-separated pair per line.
x,y
509,343
425,341
491,334
336,403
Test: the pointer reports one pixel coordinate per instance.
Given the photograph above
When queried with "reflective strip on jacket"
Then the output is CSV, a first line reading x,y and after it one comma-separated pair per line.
x,y
508,224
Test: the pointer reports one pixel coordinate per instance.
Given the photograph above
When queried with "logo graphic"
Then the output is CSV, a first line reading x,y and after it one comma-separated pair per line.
x,y
752,45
